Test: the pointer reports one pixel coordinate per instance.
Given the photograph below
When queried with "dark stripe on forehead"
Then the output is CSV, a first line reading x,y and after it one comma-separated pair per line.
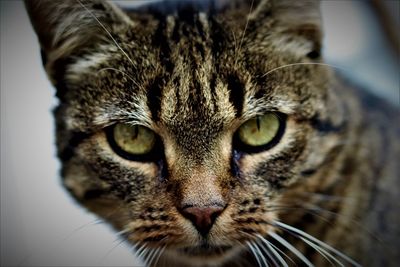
x,y
236,93
187,15
213,85
155,88
161,40
218,37
199,102
154,97
201,29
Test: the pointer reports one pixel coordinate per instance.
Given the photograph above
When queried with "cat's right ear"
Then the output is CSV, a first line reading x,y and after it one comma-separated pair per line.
x,y
295,25
65,27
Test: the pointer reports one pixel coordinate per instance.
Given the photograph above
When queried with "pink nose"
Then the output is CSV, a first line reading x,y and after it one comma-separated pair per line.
x,y
202,217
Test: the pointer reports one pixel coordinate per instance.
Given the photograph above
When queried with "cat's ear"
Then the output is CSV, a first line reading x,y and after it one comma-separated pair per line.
x,y
295,25
65,26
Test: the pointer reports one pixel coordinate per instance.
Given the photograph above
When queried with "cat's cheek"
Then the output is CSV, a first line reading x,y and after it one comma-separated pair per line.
x,y
79,181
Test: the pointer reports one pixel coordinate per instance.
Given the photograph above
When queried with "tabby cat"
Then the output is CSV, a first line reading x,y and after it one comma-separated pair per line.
x,y
211,133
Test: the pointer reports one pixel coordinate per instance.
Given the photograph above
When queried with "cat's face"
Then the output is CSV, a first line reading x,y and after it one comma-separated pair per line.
x,y
184,131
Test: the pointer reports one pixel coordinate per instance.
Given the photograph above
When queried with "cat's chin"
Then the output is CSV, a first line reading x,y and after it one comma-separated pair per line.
x,y
203,255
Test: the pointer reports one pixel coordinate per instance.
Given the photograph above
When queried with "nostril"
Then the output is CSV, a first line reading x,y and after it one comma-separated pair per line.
x,y
202,217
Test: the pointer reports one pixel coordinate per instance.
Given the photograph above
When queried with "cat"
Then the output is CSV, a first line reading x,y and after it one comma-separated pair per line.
x,y
212,133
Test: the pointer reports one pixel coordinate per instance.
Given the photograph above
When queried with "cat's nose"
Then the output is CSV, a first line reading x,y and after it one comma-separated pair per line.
x,y
202,217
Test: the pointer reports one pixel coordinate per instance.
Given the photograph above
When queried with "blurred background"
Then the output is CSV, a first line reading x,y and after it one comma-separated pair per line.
x,y
40,224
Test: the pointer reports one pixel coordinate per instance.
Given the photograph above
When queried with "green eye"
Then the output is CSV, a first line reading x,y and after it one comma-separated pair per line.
x,y
260,131
132,139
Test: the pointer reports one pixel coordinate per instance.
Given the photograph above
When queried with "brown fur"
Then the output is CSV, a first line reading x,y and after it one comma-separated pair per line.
x,y
194,76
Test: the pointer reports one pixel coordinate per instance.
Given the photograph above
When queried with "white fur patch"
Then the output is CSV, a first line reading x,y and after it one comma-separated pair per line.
x,y
90,62
300,47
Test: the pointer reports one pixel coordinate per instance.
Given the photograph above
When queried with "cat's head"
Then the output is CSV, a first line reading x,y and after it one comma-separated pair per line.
x,y
184,125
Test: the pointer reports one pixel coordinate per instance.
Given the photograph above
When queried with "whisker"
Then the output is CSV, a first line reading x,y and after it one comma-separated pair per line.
x,y
303,63
124,73
264,260
139,251
247,24
274,252
91,223
134,246
256,246
287,208
111,250
145,254
341,216
326,197
254,253
318,212
291,248
124,233
281,252
321,251
268,253
317,241
105,29
159,255
244,32
150,256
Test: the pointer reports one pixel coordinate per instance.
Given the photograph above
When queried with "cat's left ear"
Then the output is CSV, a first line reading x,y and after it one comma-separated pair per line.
x,y
67,27
293,25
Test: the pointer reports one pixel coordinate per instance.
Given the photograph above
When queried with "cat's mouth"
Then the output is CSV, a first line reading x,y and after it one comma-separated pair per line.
x,y
205,250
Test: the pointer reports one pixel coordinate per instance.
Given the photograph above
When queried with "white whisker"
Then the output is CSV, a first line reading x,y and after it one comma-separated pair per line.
x,y
139,251
244,32
123,232
105,29
254,253
157,258
311,211
291,248
317,241
275,248
273,251
145,253
111,250
124,73
91,223
268,253
155,254
303,63
134,246
321,251
325,197
264,260
150,256
343,217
